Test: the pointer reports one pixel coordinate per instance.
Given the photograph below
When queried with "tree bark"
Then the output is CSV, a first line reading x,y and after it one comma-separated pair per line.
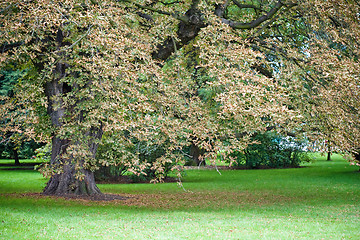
x,y
187,31
65,180
196,152
16,157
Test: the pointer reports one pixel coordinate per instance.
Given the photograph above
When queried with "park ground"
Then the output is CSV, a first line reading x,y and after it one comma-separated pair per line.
x,y
320,200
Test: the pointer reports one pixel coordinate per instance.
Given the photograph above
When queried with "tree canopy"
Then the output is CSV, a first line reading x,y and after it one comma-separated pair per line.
x,y
144,74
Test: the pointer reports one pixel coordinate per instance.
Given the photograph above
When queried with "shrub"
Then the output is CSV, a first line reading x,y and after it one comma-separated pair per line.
x,y
43,154
140,160
106,173
271,150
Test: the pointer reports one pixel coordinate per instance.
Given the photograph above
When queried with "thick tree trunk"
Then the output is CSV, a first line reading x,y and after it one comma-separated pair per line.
x,y
67,168
66,182
195,152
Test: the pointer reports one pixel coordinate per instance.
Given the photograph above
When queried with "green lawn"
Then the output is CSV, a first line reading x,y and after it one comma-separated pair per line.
x,y
319,201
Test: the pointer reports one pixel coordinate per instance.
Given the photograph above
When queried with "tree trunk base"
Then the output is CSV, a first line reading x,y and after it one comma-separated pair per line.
x,y
66,184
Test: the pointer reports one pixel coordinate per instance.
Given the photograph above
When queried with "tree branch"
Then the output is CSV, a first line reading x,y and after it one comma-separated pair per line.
x,y
76,42
220,9
170,3
5,9
273,20
7,47
296,61
256,22
247,6
262,70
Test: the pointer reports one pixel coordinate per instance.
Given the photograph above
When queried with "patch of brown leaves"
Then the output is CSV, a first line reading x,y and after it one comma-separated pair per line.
x,y
199,200
202,200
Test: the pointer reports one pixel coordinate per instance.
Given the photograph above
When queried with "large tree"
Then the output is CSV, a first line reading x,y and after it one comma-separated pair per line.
x,y
76,52
169,73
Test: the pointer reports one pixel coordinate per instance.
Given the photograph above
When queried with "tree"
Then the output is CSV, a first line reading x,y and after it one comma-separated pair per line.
x,y
170,73
10,141
64,49
330,62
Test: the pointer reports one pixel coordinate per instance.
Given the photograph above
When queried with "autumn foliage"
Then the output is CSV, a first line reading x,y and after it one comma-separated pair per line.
x,y
145,76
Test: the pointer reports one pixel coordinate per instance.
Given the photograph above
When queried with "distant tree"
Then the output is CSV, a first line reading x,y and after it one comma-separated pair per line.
x,y
13,144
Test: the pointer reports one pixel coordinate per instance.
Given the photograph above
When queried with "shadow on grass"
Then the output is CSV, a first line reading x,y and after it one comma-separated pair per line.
x,y
23,166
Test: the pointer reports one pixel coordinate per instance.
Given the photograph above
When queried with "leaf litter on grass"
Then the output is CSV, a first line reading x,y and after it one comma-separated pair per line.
x,y
173,201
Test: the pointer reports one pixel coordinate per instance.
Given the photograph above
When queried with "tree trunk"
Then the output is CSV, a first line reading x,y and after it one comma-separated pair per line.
x,y
66,182
357,157
12,147
68,169
16,157
329,151
328,156
195,152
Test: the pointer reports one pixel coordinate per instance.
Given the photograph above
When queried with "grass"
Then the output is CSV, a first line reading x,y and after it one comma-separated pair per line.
x,y
319,201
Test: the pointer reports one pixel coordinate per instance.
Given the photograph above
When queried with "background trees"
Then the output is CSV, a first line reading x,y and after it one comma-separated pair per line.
x,y
13,143
163,75
271,150
331,61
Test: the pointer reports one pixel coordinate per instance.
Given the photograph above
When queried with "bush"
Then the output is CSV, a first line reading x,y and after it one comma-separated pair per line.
x,y
106,173
150,155
271,151
43,154
139,160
